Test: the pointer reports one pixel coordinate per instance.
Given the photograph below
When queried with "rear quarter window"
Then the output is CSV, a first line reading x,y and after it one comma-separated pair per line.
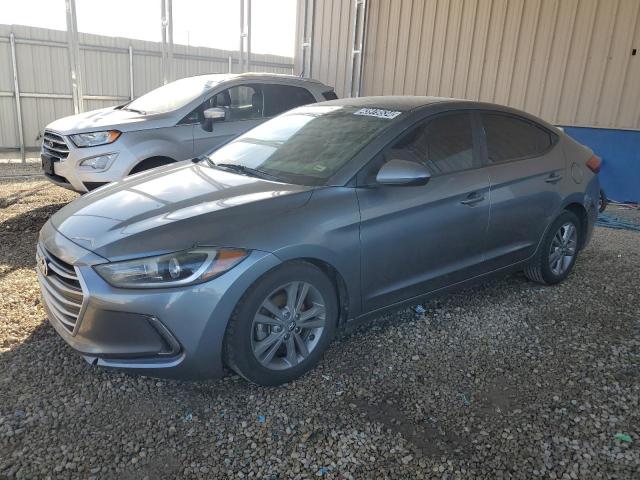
x,y
509,137
280,98
330,95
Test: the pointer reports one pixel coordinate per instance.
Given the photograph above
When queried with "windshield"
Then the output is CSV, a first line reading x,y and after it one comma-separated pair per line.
x,y
172,96
307,145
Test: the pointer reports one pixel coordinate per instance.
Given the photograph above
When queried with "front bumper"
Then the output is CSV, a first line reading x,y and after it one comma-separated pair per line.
x,y
172,332
68,174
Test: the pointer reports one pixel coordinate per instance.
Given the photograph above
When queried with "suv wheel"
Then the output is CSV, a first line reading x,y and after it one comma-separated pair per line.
x,y
283,324
557,252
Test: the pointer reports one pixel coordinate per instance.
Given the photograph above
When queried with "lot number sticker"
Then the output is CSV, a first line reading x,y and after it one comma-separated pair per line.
x,y
377,112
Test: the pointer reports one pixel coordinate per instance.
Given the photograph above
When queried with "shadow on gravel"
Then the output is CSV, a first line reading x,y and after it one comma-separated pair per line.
x,y
18,236
20,196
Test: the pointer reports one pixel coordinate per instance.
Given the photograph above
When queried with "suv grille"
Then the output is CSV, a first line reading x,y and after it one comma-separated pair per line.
x,y
54,146
60,288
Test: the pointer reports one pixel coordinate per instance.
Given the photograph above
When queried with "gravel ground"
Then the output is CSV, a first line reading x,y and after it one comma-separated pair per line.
x,y
12,167
509,380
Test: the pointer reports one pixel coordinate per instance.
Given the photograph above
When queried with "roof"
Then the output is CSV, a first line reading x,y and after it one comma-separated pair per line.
x,y
222,77
407,103
402,103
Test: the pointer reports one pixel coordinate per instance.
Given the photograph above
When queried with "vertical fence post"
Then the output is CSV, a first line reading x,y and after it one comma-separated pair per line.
x,y
242,34
16,92
130,72
74,56
248,35
357,47
163,49
166,7
170,65
308,20
230,63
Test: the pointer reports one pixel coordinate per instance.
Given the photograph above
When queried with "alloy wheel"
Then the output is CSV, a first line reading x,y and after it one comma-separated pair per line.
x,y
563,248
288,325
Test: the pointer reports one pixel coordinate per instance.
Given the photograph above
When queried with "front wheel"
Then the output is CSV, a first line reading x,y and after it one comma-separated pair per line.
x,y
282,325
557,253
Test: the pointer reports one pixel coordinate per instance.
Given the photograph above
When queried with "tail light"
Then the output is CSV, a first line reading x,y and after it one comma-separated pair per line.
x,y
594,164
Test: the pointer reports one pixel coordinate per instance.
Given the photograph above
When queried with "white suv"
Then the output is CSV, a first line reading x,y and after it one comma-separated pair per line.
x,y
171,123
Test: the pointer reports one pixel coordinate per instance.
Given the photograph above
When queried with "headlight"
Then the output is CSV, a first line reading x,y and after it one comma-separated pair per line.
x,y
94,139
173,269
101,162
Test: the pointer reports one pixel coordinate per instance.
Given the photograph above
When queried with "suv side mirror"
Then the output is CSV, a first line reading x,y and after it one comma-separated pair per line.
x,y
210,115
402,172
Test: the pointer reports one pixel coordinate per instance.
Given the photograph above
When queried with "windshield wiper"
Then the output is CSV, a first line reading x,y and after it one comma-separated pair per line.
x,y
134,110
252,172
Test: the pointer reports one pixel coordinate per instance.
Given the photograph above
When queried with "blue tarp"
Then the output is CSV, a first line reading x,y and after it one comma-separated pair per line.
x,y
620,153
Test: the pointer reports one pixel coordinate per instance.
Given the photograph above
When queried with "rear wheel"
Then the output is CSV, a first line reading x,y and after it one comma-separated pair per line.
x,y
602,201
282,325
558,251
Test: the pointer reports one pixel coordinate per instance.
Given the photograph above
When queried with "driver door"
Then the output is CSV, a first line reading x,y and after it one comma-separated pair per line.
x,y
243,105
417,239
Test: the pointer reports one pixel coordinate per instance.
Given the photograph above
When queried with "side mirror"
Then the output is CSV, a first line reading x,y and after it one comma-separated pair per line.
x,y
403,172
215,114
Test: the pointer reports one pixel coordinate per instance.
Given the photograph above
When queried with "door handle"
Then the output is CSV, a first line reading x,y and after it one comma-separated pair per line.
x,y
553,178
472,199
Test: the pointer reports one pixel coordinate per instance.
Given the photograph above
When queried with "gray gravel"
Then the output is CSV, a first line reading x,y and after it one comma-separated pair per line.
x,y
509,380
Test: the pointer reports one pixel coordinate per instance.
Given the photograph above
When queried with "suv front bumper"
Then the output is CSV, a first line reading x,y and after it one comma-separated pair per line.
x,y
67,172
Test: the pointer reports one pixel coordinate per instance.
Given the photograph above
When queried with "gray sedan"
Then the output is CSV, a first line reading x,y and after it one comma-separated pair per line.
x,y
253,256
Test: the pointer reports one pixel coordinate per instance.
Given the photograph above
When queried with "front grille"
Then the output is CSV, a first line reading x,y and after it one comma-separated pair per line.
x,y
54,146
61,289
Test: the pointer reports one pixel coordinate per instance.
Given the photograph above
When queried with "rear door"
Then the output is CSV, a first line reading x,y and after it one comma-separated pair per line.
x,y
416,239
525,165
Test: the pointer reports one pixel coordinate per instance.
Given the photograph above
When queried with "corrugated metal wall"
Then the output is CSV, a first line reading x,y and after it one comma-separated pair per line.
x,y
331,41
43,68
568,61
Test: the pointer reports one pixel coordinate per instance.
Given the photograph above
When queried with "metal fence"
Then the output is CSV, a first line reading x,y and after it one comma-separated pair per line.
x,y
36,84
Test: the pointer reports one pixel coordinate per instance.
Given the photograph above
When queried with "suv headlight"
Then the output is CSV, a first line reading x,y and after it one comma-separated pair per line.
x,y
93,139
173,269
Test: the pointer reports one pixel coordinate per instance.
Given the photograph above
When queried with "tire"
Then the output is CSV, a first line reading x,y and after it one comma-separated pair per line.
x,y
541,269
252,325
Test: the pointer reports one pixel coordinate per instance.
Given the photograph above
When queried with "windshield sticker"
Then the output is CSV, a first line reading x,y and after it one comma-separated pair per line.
x,y
377,112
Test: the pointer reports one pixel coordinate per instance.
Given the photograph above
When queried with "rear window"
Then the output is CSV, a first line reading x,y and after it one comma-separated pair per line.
x,y
510,137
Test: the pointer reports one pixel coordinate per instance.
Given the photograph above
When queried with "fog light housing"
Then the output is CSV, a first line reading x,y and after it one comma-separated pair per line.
x,y
99,162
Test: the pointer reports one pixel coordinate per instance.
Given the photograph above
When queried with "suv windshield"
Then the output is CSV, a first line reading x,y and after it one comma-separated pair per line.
x,y
172,96
307,145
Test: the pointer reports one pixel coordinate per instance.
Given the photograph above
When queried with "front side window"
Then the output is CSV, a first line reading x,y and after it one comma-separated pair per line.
x,y
509,137
280,98
243,102
443,145
306,145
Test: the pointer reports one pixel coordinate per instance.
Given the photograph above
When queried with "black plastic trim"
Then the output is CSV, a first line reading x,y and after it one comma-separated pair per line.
x,y
93,185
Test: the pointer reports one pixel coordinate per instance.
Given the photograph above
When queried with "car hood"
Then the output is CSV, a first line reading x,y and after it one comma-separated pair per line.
x,y
173,208
111,118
